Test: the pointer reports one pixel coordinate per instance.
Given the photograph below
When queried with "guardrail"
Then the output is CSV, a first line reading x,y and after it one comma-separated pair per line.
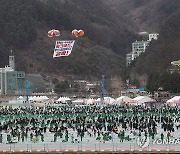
x,y
86,148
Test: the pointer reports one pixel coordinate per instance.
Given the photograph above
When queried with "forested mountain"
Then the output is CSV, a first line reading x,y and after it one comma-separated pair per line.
x,y
160,53
157,60
24,26
145,15
159,16
110,27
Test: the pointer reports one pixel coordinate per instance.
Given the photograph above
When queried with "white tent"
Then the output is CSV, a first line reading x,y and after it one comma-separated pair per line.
x,y
44,98
174,101
20,99
141,100
109,100
98,100
90,101
123,99
63,99
32,98
38,98
79,101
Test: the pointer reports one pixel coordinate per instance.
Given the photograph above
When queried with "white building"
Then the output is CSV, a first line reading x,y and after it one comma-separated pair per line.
x,y
139,47
3,75
11,81
153,36
3,79
128,58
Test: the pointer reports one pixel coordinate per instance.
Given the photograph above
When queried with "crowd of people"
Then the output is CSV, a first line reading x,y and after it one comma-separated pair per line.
x,y
93,122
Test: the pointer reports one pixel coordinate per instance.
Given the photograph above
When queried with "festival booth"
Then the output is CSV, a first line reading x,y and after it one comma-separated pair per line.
x,y
63,100
174,101
142,100
123,100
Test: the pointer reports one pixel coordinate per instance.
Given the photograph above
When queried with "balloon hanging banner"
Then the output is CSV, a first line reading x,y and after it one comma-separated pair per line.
x,y
63,48
53,33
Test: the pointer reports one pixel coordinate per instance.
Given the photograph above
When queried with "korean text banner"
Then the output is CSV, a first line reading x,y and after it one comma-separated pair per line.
x,y
63,48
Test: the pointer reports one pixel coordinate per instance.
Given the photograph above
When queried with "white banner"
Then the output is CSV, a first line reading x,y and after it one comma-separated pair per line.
x,y
63,48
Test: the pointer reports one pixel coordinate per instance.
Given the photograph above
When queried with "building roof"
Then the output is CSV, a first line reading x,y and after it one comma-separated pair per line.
x,y
141,41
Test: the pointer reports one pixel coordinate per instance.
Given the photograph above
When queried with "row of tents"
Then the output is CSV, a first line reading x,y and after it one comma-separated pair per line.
x,y
139,100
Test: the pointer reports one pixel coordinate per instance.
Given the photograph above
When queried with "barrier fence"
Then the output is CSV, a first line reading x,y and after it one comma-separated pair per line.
x,y
87,147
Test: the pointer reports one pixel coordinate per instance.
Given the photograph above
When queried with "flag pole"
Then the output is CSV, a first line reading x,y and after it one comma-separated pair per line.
x,y
102,89
27,92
